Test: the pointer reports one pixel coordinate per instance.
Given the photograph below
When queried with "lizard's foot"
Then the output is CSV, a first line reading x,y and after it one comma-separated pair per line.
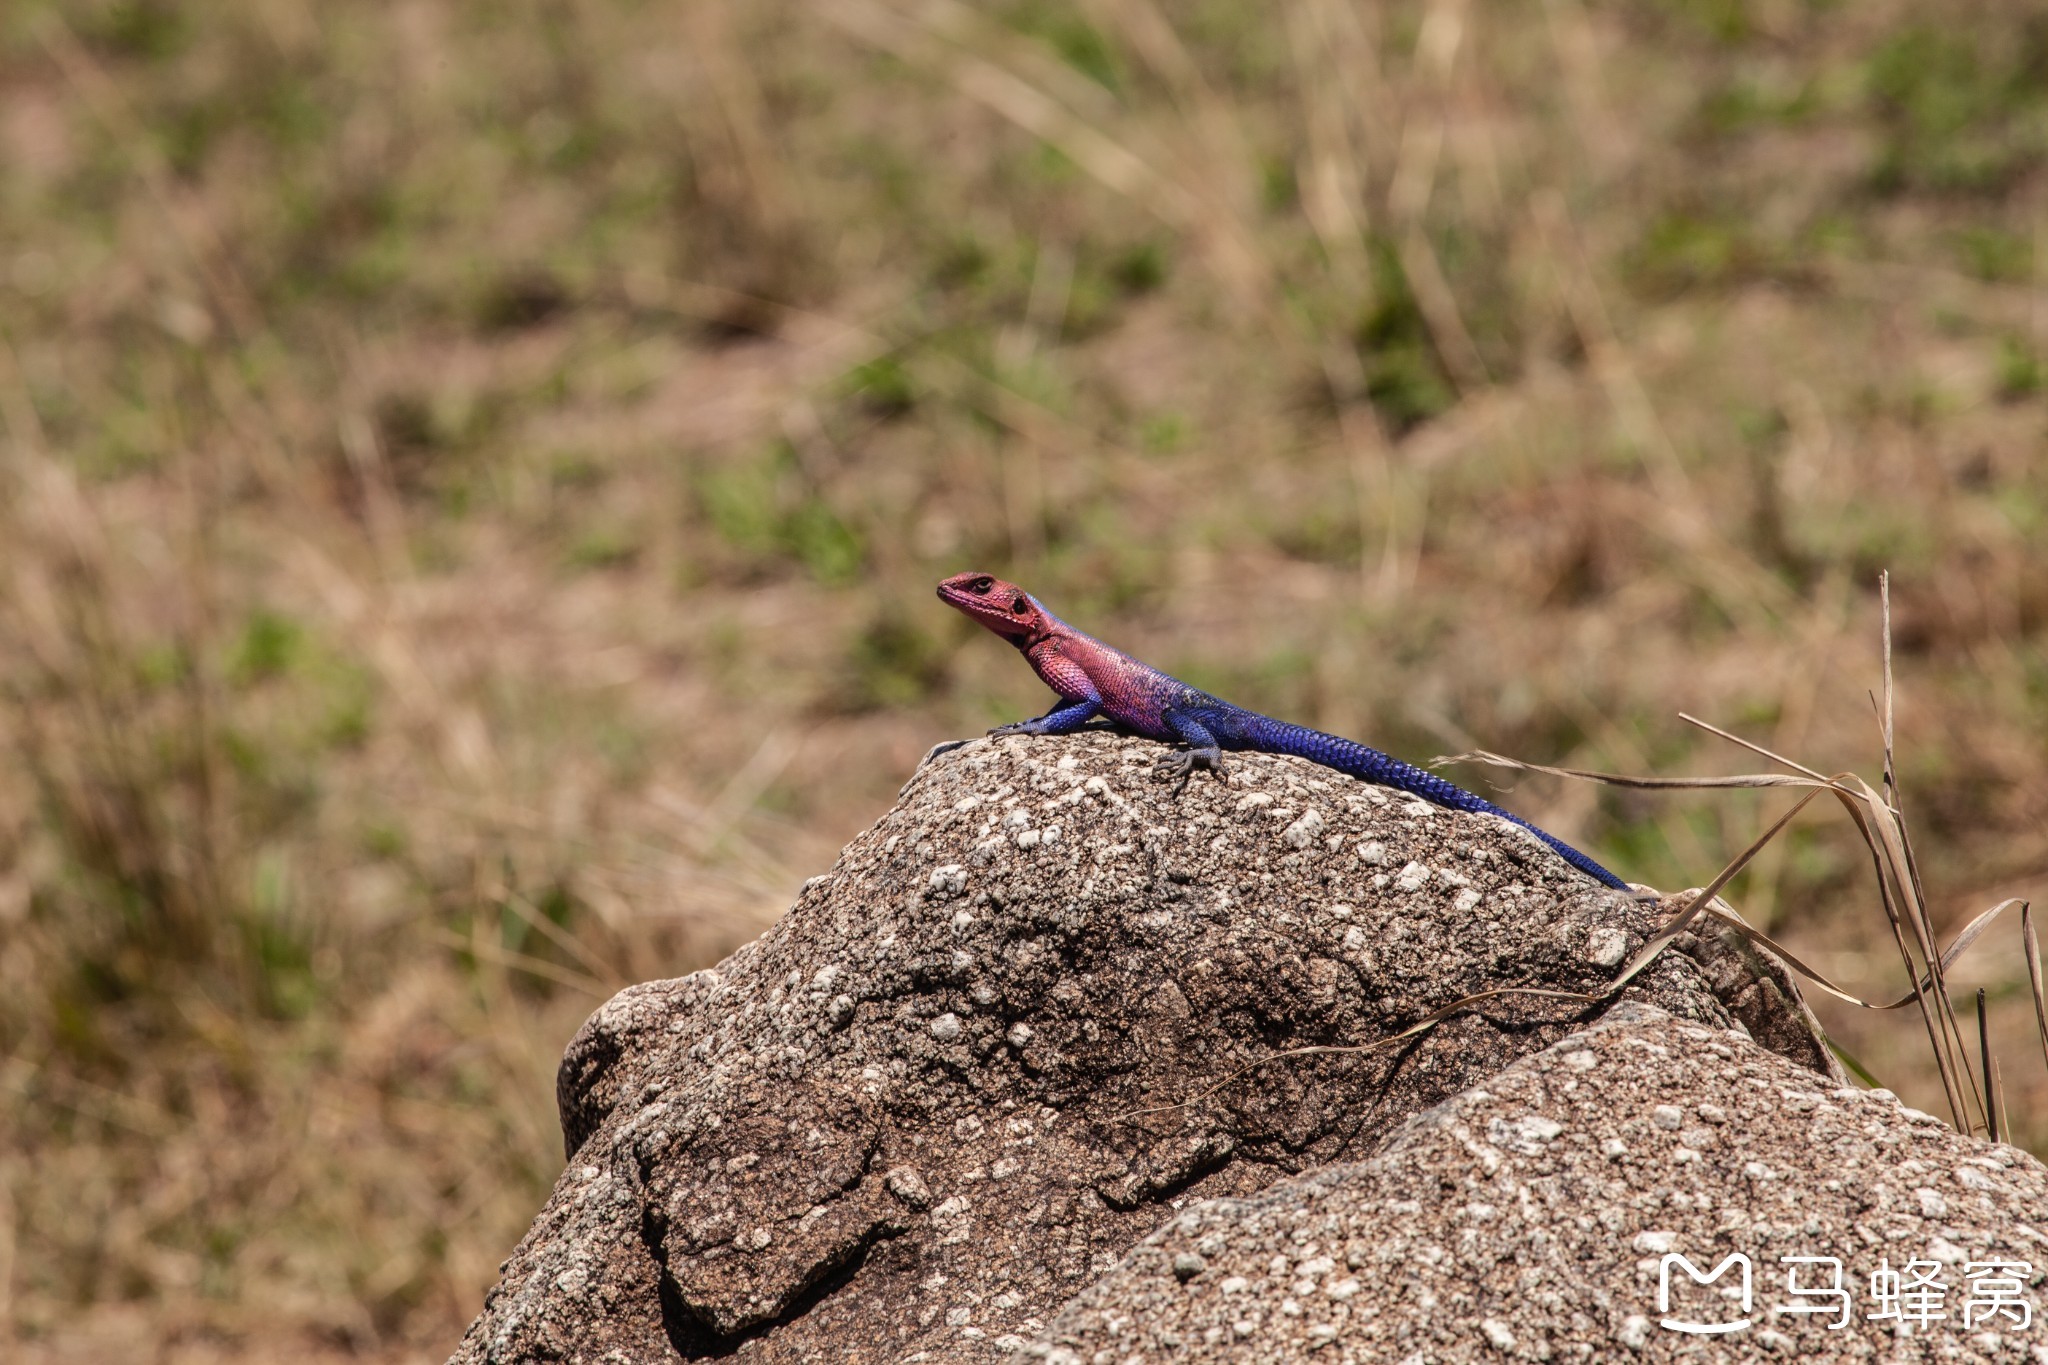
x,y
1183,763
1015,727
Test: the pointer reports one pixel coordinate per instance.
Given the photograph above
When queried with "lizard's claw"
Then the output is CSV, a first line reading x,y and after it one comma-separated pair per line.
x,y
1183,763
1015,727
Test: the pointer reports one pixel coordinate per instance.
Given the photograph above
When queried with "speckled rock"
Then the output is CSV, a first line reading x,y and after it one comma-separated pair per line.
x,y
1027,1016
1531,1219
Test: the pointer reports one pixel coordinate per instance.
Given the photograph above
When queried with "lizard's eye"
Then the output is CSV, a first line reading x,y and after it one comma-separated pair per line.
x,y
980,586
1022,606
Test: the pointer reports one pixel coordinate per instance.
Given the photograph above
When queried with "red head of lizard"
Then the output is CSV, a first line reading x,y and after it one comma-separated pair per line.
x,y
1004,608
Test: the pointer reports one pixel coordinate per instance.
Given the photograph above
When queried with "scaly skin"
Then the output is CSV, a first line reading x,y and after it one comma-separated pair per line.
x,y
1094,680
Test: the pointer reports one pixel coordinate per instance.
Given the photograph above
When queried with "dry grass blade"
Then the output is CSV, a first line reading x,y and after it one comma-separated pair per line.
x,y
2033,949
1956,948
1998,1089
1886,854
1740,780
1990,1074
1880,822
1750,745
1950,1052
1698,904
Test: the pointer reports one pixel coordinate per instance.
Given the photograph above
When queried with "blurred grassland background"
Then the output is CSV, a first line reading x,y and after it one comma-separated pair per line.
x,y
474,473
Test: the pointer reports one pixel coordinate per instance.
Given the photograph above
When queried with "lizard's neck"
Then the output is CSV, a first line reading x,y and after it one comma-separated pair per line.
x,y
1050,631
1039,641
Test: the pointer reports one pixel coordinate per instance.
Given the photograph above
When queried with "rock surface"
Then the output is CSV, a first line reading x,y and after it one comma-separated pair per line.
x,y
1030,1014
1530,1220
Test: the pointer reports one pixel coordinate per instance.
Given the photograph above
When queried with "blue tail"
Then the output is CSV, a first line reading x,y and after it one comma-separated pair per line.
x,y
1349,756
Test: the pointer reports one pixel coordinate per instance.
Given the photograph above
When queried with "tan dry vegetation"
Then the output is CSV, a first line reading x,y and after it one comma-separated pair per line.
x,y
473,476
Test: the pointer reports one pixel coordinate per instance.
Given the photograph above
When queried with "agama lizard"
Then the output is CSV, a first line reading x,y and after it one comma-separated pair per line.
x,y
1094,680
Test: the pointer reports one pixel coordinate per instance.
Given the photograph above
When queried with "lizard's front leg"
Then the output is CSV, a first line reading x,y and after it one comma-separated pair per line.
x,y
1202,752
1064,718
